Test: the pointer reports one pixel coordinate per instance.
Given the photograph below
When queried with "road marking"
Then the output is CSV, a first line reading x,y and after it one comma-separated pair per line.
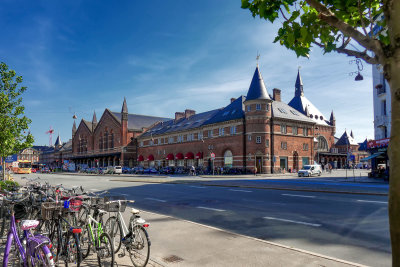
x,y
298,222
290,195
239,190
155,199
94,189
206,208
196,186
372,201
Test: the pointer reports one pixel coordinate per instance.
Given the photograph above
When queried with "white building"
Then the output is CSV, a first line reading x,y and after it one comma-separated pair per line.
x,y
382,104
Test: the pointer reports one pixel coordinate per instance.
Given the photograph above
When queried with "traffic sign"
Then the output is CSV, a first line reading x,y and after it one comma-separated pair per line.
x,y
11,158
212,156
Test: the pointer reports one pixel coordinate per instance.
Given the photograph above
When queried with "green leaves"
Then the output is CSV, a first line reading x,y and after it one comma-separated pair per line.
x,y
13,124
302,27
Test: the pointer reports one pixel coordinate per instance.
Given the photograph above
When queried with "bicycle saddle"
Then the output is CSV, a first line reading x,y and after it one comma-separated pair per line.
x,y
134,211
29,224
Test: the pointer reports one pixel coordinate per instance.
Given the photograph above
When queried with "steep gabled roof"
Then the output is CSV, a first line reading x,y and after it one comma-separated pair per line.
x,y
88,124
257,88
58,141
345,140
137,122
284,111
233,111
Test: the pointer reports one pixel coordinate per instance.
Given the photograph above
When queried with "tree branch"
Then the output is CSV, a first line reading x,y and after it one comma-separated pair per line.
x,y
363,55
283,15
364,40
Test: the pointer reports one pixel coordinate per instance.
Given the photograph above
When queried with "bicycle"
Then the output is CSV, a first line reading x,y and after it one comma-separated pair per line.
x,y
135,238
64,235
95,238
37,251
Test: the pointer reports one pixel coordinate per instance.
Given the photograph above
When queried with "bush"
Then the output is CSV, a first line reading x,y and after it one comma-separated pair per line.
x,y
8,185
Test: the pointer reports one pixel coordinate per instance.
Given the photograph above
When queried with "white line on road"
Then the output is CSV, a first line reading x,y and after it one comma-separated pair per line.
x,y
197,186
290,195
200,207
239,190
155,199
372,201
285,220
94,189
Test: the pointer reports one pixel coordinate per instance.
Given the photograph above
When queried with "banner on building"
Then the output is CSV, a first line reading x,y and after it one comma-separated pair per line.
x,y
11,159
378,143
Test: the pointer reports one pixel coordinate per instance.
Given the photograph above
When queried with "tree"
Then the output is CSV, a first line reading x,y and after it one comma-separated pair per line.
x,y
14,134
365,29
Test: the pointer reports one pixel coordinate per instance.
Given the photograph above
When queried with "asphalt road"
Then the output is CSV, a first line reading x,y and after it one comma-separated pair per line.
x,y
345,226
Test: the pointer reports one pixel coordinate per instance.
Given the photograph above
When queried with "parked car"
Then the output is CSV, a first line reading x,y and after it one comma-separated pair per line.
x,y
117,169
150,171
167,170
45,170
138,170
126,170
33,170
309,170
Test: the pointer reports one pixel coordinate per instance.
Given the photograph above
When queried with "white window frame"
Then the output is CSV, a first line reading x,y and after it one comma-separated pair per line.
x,y
221,131
258,139
283,128
258,106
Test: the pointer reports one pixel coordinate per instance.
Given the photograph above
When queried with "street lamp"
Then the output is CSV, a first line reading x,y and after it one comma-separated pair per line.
x,y
360,67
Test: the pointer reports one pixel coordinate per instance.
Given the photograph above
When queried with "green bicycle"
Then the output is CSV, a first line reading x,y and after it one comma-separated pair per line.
x,y
93,238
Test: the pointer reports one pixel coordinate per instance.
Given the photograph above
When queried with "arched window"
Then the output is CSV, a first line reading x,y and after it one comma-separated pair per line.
x,y
111,140
228,159
105,140
322,144
101,141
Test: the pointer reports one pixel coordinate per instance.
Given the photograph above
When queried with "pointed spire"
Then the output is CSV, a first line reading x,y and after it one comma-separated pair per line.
x,y
257,88
351,134
124,107
94,120
299,85
332,118
58,141
73,129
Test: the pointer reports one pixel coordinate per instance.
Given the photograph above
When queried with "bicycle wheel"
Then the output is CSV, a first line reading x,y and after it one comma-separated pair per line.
x,y
73,255
139,247
3,219
114,228
83,214
41,257
85,241
105,251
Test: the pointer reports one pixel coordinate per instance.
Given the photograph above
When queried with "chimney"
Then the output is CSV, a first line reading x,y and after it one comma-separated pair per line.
x,y
233,99
277,94
179,115
189,113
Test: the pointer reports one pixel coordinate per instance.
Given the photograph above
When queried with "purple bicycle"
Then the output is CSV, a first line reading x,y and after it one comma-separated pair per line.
x,y
29,250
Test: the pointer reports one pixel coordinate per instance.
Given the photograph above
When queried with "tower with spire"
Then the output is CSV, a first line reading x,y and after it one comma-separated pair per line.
x,y
94,121
58,143
257,119
124,123
298,86
73,130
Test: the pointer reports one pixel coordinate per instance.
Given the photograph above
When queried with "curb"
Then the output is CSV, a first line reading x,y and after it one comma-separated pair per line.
x,y
256,187
265,241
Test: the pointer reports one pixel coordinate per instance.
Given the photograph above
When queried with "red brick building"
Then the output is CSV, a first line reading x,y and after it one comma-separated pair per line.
x,y
253,131
256,130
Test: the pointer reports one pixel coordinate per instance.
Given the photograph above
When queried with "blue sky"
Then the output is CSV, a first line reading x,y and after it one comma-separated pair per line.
x,y
163,56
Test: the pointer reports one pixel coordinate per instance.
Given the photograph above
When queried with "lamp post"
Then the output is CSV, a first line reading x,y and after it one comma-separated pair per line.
x,y
360,67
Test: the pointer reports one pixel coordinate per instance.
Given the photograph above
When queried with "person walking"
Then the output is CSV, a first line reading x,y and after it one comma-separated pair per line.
x,y
255,170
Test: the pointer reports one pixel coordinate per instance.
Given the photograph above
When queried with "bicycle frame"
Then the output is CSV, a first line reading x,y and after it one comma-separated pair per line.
x,y
12,234
99,230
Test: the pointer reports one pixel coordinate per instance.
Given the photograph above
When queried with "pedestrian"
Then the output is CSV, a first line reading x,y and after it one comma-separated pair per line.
x,y
193,170
222,170
255,170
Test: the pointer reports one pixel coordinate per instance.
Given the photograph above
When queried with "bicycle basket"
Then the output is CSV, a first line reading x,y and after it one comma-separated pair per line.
x,y
115,206
51,210
73,205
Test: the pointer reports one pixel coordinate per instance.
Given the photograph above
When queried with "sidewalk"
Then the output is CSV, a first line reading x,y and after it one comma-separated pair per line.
x,y
176,242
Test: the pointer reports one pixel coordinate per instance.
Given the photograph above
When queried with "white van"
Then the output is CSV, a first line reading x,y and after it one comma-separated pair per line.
x,y
309,170
117,169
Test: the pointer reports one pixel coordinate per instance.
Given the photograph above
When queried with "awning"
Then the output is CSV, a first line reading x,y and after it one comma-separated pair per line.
x,y
150,157
372,156
189,155
179,156
199,155
140,158
170,157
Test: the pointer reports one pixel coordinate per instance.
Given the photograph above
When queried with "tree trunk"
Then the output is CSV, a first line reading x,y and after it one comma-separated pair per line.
x,y
394,158
4,168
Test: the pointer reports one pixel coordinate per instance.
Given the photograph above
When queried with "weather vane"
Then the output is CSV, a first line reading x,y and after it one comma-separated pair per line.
x,y
258,57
